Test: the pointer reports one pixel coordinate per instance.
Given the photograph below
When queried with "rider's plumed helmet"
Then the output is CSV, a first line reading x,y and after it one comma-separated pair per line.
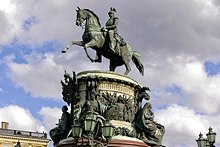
x,y
112,10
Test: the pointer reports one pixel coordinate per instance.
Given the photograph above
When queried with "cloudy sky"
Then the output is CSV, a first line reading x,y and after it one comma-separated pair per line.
x,y
179,42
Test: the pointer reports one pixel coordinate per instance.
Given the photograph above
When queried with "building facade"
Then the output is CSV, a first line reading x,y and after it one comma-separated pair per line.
x,y
9,137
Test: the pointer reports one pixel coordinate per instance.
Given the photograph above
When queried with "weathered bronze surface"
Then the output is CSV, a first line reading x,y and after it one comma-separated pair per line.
x,y
148,130
105,41
63,127
109,98
103,100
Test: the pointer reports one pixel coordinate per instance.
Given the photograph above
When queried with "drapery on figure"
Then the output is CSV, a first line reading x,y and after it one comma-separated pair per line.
x,y
149,131
63,127
93,104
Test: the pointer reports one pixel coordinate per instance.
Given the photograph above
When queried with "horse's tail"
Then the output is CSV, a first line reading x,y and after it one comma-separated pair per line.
x,y
136,59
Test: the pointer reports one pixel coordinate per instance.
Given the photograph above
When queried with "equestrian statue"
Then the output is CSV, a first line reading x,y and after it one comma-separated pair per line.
x,y
105,41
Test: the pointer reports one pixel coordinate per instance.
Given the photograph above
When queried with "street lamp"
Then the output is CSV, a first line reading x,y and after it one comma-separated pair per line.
x,y
87,130
76,131
90,122
209,142
107,131
211,137
201,141
89,126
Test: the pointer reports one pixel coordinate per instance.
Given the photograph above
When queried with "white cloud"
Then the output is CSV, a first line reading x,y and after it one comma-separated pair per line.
x,y
202,90
20,119
42,73
50,116
197,89
40,76
6,34
5,6
50,21
183,125
208,7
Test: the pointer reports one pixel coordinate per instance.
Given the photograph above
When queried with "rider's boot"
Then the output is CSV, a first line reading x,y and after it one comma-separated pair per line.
x,y
112,47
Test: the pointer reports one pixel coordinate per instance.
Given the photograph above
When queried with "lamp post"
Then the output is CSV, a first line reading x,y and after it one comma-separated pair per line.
x,y
89,126
107,131
211,137
201,141
209,142
76,132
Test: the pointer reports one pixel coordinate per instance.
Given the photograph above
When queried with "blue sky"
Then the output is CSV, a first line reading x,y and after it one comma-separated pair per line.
x,y
178,40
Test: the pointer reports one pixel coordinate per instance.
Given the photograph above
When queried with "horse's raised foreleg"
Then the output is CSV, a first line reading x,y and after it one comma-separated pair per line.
x,y
79,43
90,44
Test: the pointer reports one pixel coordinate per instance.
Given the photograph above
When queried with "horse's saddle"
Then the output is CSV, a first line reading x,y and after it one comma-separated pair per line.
x,y
118,42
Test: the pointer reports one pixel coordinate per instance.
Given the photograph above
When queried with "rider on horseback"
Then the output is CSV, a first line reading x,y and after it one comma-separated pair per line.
x,y
111,29
120,52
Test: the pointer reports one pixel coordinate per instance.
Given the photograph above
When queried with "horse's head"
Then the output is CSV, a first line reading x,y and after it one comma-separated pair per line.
x,y
81,17
86,15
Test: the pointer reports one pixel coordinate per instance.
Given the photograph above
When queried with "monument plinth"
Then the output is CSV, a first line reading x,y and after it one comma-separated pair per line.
x,y
120,142
111,89
106,109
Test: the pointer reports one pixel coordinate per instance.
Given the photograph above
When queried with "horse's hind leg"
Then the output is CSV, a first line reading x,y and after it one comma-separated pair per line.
x,y
126,63
112,66
126,57
128,68
126,60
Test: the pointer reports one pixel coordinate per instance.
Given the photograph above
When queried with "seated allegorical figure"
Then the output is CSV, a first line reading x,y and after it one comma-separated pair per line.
x,y
63,127
149,131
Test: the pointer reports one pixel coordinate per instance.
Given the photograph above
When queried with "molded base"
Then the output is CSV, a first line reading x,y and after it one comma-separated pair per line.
x,y
70,142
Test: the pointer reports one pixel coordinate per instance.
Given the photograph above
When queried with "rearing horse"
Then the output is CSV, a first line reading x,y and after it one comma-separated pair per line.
x,y
94,38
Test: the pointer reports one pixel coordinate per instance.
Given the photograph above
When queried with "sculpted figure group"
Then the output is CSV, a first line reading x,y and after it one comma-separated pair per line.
x,y
107,106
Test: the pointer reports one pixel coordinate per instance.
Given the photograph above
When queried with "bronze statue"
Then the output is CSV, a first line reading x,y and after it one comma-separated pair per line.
x,y
94,37
69,87
111,29
149,131
63,127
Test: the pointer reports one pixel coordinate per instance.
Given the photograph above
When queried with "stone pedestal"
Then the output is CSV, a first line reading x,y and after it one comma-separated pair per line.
x,y
113,89
115,142
108,82
101,99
